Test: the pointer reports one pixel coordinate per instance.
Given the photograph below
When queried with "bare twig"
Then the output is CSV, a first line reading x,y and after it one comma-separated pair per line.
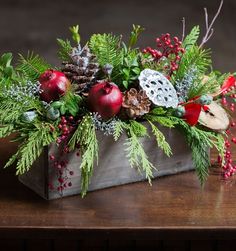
x,y
183,33
209,29
206,18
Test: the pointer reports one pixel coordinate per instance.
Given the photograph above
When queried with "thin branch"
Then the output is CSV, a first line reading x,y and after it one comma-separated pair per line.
x,y
206,18
209,29
183,33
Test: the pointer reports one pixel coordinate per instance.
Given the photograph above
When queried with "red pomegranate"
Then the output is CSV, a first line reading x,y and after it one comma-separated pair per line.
x,y
105,98
53,85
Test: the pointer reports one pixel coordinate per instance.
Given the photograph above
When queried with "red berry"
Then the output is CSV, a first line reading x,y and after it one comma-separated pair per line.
x,y
52,157
61,180
233,140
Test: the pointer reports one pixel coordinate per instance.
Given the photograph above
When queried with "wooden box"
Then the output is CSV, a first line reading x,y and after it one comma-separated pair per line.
x,y
113,168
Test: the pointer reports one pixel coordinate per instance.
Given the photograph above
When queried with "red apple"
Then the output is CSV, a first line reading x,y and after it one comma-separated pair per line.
x,y
105,98
53,85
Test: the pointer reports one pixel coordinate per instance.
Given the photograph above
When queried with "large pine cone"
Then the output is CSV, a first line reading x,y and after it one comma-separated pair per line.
x,y
82,69
136,103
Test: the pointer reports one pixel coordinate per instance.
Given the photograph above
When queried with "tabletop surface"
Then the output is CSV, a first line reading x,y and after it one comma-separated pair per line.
x,y
176,203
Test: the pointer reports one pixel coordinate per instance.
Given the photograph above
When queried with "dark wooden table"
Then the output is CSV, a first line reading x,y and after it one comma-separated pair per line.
x,y
174,210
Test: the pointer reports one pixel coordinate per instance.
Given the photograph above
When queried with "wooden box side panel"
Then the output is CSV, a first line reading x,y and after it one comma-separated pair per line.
x,y
37,177
113,168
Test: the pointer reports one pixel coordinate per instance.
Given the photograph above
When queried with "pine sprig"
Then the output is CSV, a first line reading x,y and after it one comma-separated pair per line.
x,y
200,142
193,57
6,130
119,129
32,148
85,135
107,49
32,66
65,49
201,87
191,38
160,140
136,154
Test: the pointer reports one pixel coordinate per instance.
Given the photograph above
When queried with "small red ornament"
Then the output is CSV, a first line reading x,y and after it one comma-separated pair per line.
x,y
105,98
53,85
192,113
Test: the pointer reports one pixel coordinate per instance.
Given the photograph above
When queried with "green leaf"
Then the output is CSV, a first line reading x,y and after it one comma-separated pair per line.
x,y
125,84
75,33
137,30
5,60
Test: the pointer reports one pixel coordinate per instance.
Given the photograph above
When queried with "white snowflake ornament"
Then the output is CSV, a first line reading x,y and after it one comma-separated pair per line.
x,y
158,88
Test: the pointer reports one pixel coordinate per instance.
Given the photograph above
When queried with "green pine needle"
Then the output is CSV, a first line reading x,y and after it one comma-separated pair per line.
x,y
119,129
6,130
32,66
200,142
194,57
160,139
65,49
136,154
191,38
107,49
32,148
85,135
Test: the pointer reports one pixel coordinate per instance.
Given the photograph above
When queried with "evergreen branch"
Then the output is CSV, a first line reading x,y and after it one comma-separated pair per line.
x,y
6,130
201,160
85,135
201,87
200,141
107,49
138,129
193,57
160,139
65,49
169,121
137,155
191,38
32,66
118,129
32,148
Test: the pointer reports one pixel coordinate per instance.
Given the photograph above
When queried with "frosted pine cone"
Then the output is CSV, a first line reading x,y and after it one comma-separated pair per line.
x,y
82,69
136,103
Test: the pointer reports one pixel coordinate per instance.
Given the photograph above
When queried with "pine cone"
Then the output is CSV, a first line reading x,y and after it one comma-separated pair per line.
x,y
136,103
82,69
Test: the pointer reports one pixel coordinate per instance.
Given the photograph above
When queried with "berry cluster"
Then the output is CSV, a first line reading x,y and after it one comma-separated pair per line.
x,y
167,49
229,168
66,127
63,175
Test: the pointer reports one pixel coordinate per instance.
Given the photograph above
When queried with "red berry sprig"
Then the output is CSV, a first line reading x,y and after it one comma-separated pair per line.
x,y
168,48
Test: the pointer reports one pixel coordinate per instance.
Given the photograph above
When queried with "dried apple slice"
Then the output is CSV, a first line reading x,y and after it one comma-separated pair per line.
x,y
214,117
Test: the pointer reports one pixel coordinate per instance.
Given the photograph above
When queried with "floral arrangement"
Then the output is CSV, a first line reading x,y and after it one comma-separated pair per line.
x,y
108,85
